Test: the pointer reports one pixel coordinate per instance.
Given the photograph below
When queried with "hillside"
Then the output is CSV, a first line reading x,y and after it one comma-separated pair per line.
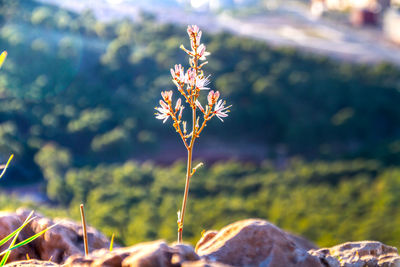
x,y
77,109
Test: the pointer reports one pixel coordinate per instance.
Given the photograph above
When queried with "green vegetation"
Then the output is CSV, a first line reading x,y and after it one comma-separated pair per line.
x,y
77,98
327,202
90,87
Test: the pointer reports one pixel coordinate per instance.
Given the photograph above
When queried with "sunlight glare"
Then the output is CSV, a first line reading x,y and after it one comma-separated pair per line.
x,y
198,3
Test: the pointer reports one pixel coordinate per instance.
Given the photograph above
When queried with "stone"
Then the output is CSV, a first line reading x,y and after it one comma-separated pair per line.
x,y
255,242
302,242
205,238
182,253
149,254
63,240
152,254
359,254
204,263
56,245
9,222
32,263
249,243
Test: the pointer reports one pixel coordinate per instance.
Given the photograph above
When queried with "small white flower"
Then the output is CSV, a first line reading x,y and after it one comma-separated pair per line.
x,y
167,96
194,29
201,51
163,111
178,73
206,54
190,77
220,110
201,83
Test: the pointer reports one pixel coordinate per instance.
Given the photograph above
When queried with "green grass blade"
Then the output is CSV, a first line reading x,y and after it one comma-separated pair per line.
x,y
112,242
7,255
4,240
6,166
28,240
2,58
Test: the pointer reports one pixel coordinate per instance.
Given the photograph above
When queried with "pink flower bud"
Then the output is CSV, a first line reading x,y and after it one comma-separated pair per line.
x,y
201,49
180,112
178,104
198,104
167,96
212,97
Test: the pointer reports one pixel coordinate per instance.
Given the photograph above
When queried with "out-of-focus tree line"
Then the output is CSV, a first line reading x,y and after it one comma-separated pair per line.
x,y
327,202
76,103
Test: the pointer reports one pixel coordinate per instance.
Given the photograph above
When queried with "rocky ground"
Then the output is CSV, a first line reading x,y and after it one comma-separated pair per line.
x,y
251,242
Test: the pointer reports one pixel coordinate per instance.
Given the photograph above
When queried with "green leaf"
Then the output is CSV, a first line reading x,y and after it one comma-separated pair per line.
x,y
6,166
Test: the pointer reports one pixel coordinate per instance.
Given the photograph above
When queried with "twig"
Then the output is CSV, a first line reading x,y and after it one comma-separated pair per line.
x,y
85,239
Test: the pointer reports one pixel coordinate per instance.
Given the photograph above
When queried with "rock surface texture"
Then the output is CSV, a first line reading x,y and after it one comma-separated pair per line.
x,y
156,253
255,243
358,254
57,244
248,243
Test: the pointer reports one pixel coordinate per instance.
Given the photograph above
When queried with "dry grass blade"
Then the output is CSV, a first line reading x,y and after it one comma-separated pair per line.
x,y
85,237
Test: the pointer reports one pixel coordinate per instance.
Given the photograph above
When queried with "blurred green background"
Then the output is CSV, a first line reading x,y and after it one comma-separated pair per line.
x,y
312,144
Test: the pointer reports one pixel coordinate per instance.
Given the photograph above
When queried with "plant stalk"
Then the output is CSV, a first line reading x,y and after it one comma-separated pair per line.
x,y
85,239
188,175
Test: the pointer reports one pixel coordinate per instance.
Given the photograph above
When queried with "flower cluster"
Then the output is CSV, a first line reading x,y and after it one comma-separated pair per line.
x,y
189,84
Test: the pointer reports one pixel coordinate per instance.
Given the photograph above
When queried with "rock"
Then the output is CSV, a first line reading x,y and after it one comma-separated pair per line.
x,y
33,263
56,245
302,242
183,253
255,242
155,253
9,222
204,263
358,254
149,256
247,243
205,238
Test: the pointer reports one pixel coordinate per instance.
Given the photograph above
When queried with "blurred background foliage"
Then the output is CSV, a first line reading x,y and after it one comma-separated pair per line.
x,y
76,108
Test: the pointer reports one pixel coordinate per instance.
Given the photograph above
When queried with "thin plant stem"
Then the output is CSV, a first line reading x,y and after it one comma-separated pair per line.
x,y
195,81
189,163
85,238
188,175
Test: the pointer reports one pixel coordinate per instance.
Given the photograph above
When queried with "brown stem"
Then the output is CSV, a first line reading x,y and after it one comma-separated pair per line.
x,y
207,117
85,239
178,128
190,152
188,175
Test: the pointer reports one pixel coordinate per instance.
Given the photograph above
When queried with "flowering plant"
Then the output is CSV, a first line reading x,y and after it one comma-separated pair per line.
x,y
189,85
